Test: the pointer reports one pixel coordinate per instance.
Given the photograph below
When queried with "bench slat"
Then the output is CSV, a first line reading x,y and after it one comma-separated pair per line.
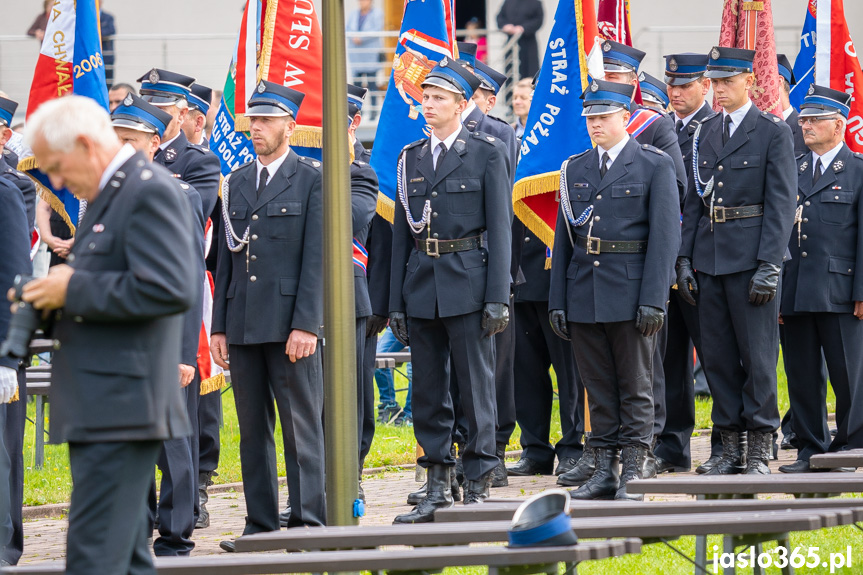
x,y
850,458
751,484
670,526
370,560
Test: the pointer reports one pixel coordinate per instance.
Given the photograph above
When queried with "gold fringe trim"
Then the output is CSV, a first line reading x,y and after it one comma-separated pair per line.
x,y
547,263
386,207
535,186
28,164
582,57
15,397
242,123
267,40
752,6
308,137
47,195
212,384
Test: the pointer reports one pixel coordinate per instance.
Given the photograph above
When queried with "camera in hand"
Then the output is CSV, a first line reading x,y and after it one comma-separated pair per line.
x,y
24,323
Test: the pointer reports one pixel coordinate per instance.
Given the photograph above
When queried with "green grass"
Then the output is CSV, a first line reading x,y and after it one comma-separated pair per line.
x,y
392,445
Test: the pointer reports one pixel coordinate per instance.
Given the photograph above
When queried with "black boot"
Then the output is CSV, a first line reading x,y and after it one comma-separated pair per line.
x,y
498,474
632,462
648,471
759,452
477,491
418,495
583,470
605,480
731,461
438,496
204,481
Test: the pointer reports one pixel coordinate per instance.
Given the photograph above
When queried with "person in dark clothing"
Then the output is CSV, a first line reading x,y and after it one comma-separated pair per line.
x,y
523,17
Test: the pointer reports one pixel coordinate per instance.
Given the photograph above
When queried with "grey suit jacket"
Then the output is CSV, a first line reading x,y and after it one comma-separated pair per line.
x,y
115,373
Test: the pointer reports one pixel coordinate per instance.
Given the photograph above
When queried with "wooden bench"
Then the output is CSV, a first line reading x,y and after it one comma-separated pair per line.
x,y
391,359
850,458
498,559
740,528
503,511
749,486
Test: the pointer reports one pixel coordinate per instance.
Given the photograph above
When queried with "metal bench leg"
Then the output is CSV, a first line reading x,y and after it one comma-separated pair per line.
x,y
700,547
39,447
728,544
757,569
786,543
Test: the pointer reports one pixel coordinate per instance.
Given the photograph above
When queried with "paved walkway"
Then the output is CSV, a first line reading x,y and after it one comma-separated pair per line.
x,y
45,539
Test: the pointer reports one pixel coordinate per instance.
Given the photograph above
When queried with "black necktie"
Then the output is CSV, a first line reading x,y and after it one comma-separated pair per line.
x,y
726,130
817,174
603,169
679,125
441,155
262,181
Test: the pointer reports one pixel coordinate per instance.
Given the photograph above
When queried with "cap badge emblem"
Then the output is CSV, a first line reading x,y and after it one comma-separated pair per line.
x,y
811,90
154,76
672,65
261,88
128,100
594,87
606,47
444,62
715,54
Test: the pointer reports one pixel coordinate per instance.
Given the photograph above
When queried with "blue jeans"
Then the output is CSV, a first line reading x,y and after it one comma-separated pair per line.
x,y
387,342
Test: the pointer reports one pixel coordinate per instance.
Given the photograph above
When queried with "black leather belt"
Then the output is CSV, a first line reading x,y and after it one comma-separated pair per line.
x,y
722,215
596,246
435,247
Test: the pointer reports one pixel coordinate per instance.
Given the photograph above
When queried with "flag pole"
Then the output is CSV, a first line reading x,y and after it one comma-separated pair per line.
x,y
340,373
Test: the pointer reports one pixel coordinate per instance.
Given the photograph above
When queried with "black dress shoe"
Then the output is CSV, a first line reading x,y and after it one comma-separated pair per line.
x,y
285,516
525,467
789,441
799,466
663,466
565,464
228,545
708,465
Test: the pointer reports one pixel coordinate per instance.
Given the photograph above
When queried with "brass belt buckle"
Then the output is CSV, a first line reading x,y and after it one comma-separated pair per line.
x,y
432,251
719,215
593,246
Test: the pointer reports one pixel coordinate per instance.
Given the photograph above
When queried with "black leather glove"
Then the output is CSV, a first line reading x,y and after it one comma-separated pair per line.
x,y
649,320
375,324
686,284
762,286
495,317
399,325
557,319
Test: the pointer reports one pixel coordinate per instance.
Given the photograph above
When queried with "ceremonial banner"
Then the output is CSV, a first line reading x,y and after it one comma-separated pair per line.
x,y
555,128
427,35
837,66
804,65
749,25
613,24
70,62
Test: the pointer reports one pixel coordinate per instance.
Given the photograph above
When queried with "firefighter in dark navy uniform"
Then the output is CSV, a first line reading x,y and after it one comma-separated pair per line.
x,y
737,218
268,313
616,237
822,288
450,283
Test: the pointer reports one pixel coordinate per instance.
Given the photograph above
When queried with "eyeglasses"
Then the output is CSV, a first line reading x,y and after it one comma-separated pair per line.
x,y
815,120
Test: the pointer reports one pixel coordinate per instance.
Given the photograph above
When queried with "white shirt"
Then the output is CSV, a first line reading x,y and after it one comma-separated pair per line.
x,y
736,117
272,167
688,118
787,112
435,141
126,152
470,106
167,143
613,152
826,159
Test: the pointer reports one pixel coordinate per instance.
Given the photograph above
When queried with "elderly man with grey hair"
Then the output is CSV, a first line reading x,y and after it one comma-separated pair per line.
x,y
128,280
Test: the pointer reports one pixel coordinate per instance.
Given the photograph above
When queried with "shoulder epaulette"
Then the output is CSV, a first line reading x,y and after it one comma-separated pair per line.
x,y
653,149
798,158
482,136
580,155
415,144
241,166
310,161
858,155
496,119
772,117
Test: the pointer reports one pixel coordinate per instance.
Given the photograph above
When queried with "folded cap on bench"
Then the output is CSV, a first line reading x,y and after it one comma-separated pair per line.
x,y
543,520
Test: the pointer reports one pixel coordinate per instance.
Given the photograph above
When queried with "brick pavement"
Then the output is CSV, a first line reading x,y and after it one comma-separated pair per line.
x,y
45,539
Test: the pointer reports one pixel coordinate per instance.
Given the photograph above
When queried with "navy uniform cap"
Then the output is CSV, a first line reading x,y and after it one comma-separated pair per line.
x,y
136,114
725,62
603,97
356,97
786,70
7,111
164,88
489,78
467,53
681,69
617,57
821,101
542,521
453,77
200,98
271,99
653,89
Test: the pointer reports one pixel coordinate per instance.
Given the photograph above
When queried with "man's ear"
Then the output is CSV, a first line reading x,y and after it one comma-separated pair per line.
x,y
5,135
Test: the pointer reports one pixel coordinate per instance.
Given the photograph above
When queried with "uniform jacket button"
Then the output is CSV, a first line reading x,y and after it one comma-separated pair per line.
x,y
434,214
434,194
804,237
284,210
255,218
92,245
254,236
434,236
807,203
803,254
253,279
598,196
719,185
526,239
718,200
254,258
596,264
